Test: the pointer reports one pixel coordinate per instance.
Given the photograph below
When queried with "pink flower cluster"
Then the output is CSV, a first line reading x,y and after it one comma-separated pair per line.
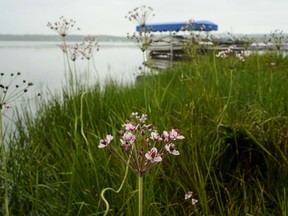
x,y
187,25
84,50
74,51
143,144
231,49
144,38
140,14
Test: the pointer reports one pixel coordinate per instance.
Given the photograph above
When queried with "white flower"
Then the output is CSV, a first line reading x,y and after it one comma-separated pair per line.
x,y
153,155
127,139
106,141
155,136
174,134
171,149
129,127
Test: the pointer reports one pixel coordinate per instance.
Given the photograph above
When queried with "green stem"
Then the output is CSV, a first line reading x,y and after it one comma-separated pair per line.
x,y
140,195
94,66
84,136
116,191
4,160
216,71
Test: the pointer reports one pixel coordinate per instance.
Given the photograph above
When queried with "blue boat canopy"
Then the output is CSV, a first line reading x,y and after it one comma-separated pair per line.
x,y
201,25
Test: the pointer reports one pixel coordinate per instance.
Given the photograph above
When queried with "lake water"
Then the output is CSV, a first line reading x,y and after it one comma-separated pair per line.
x,y
42,62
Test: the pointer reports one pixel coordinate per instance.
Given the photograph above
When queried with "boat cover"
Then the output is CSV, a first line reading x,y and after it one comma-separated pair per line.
x,y
201,25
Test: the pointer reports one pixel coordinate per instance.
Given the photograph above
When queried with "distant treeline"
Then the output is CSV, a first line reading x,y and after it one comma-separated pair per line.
x,y
36,37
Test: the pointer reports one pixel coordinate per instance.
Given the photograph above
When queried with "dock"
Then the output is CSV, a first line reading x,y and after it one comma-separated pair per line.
x,y
170,50
182,40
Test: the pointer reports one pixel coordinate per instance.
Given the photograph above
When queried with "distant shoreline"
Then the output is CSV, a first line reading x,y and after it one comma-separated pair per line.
x,y
111,38
39,37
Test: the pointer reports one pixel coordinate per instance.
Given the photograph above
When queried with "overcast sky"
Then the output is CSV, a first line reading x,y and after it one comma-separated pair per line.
x,y
107,16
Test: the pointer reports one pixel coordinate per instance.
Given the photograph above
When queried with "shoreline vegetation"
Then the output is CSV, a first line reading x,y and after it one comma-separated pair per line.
x,y
232,113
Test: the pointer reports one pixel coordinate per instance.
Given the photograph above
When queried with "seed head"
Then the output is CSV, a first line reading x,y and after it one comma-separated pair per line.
x,y
63,26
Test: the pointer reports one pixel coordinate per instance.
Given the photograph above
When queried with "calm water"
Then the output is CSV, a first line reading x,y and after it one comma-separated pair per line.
x,y
42,62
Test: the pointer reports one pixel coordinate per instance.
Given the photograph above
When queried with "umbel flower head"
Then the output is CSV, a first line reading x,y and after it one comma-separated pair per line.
x,y
83,50
88,46
144,37
142,144
63,26
11,88
140,15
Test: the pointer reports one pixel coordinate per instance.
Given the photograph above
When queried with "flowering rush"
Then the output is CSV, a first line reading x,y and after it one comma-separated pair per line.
x,y
140,15
230,50
11,89
144,37
142,144
63,26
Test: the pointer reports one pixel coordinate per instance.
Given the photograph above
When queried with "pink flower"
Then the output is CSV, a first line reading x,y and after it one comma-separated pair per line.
x,y
87,47
188,195
174,134
73,51
166,136
187,25
222,54
105,142
155,136
231,49
7,106
153,155
171,149
129,127
127,139
143,118
149,127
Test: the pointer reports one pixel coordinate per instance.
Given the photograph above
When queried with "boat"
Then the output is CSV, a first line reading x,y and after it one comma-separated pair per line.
x,y
169,46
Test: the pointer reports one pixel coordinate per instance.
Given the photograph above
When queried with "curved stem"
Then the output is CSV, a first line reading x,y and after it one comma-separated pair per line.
x,y
116,191
84,136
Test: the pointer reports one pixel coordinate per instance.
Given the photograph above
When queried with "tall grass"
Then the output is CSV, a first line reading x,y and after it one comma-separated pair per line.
x,y
234,157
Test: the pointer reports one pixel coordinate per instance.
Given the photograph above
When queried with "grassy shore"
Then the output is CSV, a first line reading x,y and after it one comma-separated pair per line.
x,y
233,114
